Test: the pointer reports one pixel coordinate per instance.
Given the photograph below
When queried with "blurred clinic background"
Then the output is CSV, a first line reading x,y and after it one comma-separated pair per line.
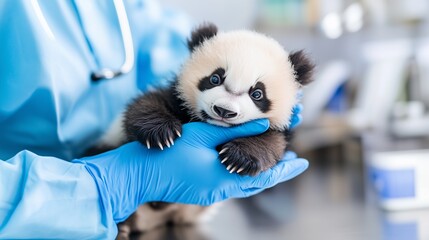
x,y
366,122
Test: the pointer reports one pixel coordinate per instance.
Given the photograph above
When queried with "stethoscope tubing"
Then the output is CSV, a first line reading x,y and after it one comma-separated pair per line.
x,y
127,41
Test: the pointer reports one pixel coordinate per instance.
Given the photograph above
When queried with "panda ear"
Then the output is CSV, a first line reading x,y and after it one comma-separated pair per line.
x,y
303,67
201,34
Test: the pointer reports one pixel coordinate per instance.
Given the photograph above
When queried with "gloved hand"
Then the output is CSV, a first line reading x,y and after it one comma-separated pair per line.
x,y
296,117
189,172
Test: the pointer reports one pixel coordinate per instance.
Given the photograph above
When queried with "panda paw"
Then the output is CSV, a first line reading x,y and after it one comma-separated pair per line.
x,y
160,135
238,157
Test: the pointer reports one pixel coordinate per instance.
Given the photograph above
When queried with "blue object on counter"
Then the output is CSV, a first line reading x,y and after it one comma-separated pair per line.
x,y
394,183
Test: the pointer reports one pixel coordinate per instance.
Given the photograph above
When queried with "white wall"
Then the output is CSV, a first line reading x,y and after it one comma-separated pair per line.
x,y
226,14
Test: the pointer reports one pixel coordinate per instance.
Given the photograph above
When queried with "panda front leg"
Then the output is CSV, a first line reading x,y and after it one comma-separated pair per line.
x,y
251,155
150,120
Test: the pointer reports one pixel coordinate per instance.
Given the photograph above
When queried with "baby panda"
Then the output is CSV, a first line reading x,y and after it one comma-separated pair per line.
x,y
230,78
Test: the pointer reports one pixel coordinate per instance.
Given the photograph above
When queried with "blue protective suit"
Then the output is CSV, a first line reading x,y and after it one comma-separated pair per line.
x,y
50,107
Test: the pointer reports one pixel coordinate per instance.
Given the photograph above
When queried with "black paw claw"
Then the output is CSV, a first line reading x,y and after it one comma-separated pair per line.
x,y
160,136
237,160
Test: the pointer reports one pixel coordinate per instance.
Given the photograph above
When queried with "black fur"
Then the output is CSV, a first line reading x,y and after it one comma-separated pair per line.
x,y
263,104
204,116
155,117
303,67
201,34
156,206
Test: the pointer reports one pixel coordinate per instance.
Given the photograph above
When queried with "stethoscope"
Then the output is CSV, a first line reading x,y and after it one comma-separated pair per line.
x,y
127,41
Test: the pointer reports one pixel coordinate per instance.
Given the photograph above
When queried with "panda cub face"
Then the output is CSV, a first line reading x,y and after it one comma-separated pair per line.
x,y
225,100
235,77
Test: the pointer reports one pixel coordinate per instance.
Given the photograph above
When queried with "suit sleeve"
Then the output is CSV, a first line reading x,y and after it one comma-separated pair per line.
x,y
45,197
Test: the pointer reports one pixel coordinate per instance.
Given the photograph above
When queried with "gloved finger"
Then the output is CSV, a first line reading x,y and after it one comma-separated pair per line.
x,y
295,121
297,108
289,155
284,170
213,135
296,117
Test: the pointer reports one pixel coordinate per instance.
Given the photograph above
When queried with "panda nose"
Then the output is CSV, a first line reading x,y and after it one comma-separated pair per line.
x,y
224,113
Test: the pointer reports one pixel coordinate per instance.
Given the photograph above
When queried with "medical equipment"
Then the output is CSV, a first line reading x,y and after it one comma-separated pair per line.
x,y
127,41
400,179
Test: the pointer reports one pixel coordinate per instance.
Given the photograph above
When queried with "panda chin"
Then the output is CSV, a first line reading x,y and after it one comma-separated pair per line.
x,y
219,123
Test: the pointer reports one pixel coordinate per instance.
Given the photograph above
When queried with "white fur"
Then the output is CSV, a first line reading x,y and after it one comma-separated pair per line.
x,y
247,57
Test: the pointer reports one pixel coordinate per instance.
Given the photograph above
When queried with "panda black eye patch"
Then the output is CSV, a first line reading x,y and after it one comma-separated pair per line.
x,y
215,79
259,97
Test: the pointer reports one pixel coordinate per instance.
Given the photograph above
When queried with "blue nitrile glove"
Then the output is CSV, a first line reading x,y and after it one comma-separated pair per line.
x,y
296,117
188,172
